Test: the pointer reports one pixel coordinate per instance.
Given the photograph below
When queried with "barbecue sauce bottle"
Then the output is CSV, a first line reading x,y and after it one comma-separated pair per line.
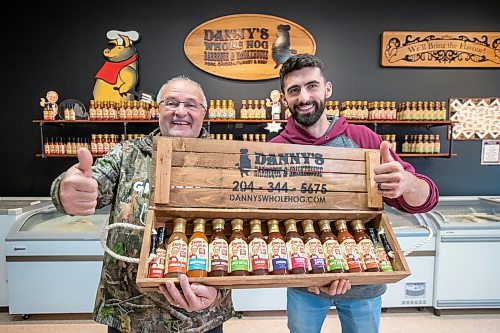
x,y
316,263
238,250
158,254
257,248
218,250
297,263
198,251
383,259
348,247
335,261
177,250
276,249
365,246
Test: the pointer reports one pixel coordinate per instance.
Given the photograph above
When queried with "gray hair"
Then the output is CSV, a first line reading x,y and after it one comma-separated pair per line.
x,y
181,78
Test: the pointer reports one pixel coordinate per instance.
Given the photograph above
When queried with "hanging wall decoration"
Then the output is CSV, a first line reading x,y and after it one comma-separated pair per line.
x,y
118,77
475,118
246,46
440,49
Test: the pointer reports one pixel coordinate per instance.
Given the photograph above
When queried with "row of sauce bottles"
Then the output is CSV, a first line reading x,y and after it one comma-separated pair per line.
x,y
130,110
275,254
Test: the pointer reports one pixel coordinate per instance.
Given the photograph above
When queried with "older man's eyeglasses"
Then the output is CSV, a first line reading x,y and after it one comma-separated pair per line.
x,y
172,105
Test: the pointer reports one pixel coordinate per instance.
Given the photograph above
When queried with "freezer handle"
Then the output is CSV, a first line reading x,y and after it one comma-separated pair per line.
x,y
469,239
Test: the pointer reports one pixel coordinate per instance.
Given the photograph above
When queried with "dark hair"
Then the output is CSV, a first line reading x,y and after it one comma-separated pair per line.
x,y
297,62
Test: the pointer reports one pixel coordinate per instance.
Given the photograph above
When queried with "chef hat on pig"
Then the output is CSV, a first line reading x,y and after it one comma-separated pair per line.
x,y
118,35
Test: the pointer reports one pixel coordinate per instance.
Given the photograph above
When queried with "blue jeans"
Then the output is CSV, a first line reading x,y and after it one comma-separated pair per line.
x,y
306,312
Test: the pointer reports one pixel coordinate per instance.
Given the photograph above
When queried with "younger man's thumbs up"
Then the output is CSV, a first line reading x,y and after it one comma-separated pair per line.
x,y
78,190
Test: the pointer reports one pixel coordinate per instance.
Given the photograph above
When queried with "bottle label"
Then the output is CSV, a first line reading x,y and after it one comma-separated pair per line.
x,y
157,264
277,255
238,260
383,259
351,253
315,255
333,255
177,256
296,253
258,254
198,255
218,250
365,247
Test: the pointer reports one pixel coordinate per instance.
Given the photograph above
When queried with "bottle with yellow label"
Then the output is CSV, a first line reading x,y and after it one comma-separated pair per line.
x,y
177,250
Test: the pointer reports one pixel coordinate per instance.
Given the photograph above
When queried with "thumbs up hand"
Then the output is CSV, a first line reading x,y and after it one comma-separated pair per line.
x,y
393,180
78,190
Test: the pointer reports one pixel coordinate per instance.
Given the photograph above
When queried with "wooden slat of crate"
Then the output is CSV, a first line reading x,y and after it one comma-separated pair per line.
x,y
164,213
204,197
400,266
214,160
225,178
233,147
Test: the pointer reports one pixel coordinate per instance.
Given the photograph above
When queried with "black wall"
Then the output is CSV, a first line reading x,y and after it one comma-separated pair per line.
x,y
60,48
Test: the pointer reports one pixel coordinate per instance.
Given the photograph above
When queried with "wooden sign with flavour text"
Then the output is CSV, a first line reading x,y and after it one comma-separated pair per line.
x,y
440,49
246,46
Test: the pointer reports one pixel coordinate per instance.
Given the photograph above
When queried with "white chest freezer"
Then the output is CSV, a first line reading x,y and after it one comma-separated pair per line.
x,y
417,289
54,262
12,210
467,273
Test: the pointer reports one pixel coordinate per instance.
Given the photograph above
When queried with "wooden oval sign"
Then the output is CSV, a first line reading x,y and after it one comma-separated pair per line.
x,y
246,46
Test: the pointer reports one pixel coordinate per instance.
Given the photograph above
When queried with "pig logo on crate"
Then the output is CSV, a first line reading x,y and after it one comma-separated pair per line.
x,y
245,164
118,77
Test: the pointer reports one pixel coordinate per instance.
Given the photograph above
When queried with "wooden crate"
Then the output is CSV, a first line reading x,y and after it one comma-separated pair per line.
x,y
194,178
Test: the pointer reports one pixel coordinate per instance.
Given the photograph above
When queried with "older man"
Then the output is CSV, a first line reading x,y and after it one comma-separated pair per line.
x,y
120,178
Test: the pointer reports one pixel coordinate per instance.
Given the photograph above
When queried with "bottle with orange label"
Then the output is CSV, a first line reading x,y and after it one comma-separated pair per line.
x,y
276,249
258,249
218,250
198,250
316,263
348,247
365,246
296,252
238,250
177,250
335,261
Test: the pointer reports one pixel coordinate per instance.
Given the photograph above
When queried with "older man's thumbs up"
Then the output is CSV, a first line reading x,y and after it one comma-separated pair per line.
x,y
78,190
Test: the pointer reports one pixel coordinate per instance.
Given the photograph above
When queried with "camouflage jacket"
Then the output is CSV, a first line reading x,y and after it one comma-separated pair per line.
x,y
123,178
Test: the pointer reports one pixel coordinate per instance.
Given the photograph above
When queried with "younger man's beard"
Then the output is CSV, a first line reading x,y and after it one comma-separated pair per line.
x,y
308,119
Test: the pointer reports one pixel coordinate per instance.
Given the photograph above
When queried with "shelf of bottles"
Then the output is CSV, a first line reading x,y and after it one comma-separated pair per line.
x,y
418,113
99,144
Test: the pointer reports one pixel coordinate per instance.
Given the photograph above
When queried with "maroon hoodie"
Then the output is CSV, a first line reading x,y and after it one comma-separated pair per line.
x,y
342,134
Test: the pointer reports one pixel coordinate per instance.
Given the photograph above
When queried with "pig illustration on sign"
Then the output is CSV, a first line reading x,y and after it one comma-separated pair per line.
x,y
281,46
118,77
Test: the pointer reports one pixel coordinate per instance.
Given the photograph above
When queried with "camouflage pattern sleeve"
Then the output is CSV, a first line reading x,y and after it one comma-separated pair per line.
x,y
106,171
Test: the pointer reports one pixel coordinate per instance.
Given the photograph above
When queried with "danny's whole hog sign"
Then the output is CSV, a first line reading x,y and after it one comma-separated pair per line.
x,y
246,46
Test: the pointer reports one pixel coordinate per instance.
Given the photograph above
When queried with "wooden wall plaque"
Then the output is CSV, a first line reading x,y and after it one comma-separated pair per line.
x,y
440,49
246,46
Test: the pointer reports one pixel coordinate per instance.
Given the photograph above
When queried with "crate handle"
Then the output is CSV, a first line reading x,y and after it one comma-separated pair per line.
x,y
416,246
109,251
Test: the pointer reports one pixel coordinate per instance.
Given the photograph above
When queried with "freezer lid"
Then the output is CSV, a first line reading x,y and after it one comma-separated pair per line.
x,y
401,219
19,205
466,213
54,225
